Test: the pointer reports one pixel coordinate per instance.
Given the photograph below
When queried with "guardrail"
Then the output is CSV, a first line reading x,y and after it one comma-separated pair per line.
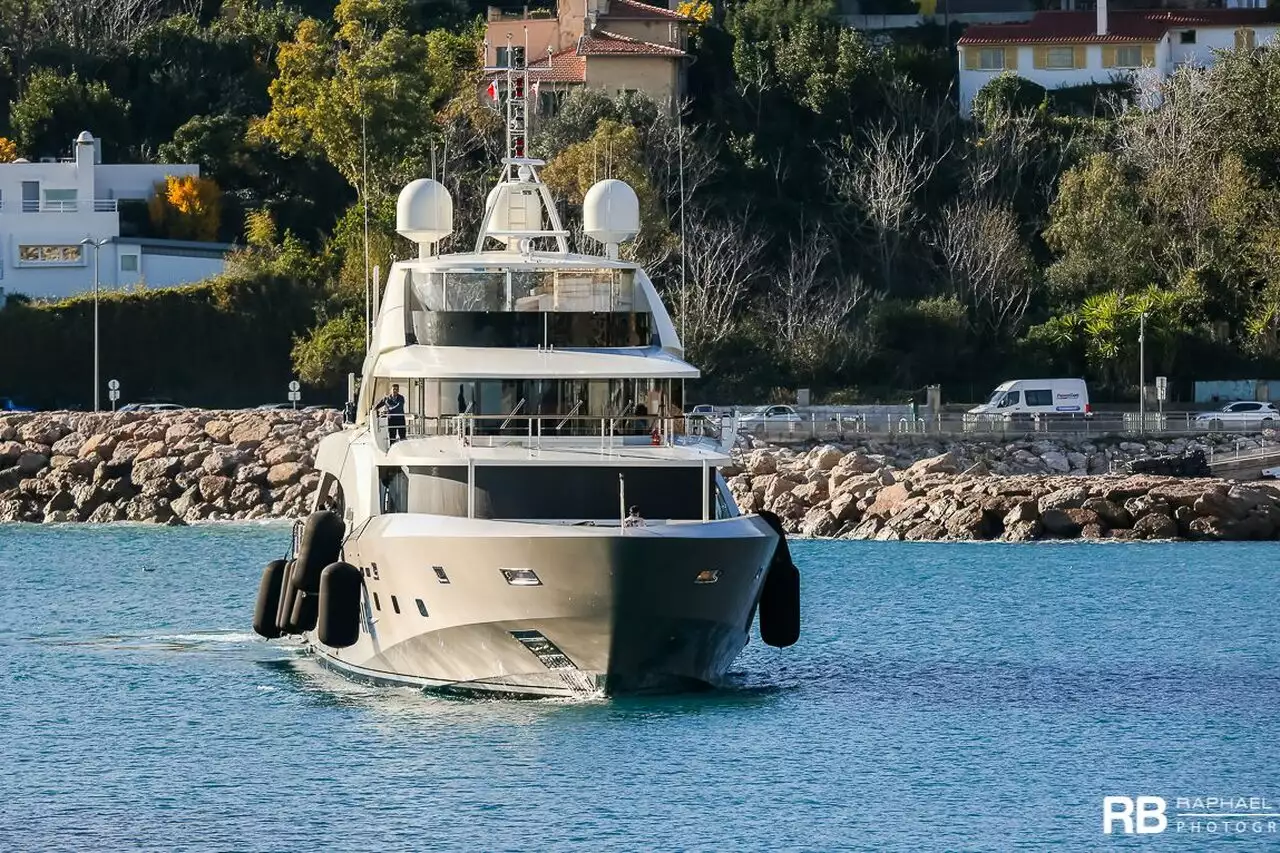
x,y
97,205
841,427
536,431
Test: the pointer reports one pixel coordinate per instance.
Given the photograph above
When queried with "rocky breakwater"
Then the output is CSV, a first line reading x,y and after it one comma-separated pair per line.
x,y
169,468
828,492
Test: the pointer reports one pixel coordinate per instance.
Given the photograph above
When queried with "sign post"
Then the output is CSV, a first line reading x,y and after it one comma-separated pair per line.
x,y
295,392
113,392
1162,391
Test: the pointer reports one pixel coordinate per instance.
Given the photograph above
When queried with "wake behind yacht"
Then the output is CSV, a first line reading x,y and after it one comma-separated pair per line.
x,y
542,519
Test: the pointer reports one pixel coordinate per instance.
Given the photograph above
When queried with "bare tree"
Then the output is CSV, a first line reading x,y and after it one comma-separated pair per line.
x,y
808,314
989,267
722,260
884,179
94,26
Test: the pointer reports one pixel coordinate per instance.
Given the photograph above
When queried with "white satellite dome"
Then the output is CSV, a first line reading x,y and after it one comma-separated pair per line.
x,y
611,212
424,212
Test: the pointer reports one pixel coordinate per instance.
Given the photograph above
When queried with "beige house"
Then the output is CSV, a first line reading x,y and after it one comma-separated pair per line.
x,y
614,45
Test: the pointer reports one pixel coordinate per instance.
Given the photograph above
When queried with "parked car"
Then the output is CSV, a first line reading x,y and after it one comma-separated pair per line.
x,y
8,405
702,409
763,417
273,407
1026,397
1240,414
152,407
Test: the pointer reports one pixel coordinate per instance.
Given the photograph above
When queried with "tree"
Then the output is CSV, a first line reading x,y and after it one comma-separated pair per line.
x,y
330,351
368,80
186,208
989,268
54,108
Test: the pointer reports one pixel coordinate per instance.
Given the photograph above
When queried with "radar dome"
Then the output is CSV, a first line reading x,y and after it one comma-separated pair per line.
x,y
611,212
424,212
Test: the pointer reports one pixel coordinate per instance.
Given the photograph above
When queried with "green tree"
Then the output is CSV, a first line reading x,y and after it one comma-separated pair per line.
x,y
55,107
330,351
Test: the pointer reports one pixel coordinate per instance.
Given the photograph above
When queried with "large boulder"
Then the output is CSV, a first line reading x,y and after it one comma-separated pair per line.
x,y
219,430
844,508
1071,497
1022,531
825,458
943,463
102,444
761,462
1156,525
164,467
250,433
1058,522
68,445
888,500
1109,512
819,523
282,453
215,486
1021,513
224,460
31,463
859,463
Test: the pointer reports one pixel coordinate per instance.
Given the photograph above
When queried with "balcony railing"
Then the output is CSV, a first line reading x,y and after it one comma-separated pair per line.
x,y
590,433
97,205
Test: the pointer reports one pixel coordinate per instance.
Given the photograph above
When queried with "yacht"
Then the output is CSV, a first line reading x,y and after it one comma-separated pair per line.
x,y
535,516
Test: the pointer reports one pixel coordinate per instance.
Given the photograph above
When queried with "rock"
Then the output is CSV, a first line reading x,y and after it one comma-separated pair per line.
x,y
1057,522
1146,505
31,463
1056,462
776,487
152,469
858,463
219,430
1072,497
818,523
866,529
68,445
223,460
822,458
184,503
105,513
969,522
143,508
924,531
944,463
761,462
811,493
1155,525
888,500
1092,531
886,477
252,473
214,486
9,452
1021,513
1183,492
103,444
789,507
282,453
1022,531
60,516
250,433
1111,515
977,469
844,508
152,450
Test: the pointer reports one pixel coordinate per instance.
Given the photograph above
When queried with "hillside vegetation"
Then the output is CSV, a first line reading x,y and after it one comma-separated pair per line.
x,y
844,229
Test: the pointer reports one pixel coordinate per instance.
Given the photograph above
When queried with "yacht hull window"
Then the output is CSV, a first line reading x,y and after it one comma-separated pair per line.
x,y
525,329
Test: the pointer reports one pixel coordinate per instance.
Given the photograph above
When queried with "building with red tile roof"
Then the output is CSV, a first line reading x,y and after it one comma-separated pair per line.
x,y
614,45
1057,49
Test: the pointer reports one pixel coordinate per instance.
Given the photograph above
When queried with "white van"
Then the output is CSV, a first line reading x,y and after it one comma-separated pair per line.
x,y
1037,397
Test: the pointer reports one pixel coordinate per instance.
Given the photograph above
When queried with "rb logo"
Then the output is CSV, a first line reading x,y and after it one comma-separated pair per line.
x,y
1141,815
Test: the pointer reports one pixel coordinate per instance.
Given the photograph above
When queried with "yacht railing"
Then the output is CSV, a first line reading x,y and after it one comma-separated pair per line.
x,y
567,431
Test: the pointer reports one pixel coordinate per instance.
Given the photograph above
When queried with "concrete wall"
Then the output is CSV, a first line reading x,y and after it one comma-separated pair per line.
x,y
655,75
654,32
543,33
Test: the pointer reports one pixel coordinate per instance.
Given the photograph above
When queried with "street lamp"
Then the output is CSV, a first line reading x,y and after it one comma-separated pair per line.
x,y
97,246
1142,371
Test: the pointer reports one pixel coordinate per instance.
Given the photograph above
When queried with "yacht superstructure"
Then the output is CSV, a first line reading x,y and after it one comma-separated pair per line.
x,y
542,519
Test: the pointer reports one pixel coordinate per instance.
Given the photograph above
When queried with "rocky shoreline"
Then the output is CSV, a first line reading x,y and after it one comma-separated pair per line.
x,y
196,465
828,492
166,468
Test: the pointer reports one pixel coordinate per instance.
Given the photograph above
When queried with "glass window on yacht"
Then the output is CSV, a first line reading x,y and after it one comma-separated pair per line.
x,y
588,492
558,406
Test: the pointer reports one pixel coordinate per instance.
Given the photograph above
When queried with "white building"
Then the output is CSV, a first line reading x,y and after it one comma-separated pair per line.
x,y
48,208
1057,49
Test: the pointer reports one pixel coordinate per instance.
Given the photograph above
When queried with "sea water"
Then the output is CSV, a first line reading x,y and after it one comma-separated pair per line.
x,y
942,697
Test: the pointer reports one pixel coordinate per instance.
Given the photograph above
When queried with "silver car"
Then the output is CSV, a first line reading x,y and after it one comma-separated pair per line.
x,y
1249,413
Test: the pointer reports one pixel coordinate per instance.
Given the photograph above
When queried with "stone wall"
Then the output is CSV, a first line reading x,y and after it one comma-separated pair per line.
x,y
831,492
169,468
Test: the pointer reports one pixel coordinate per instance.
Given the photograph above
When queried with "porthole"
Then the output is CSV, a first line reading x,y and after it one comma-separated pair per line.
x,y
521,577
440,575
377,605
395,605
422,608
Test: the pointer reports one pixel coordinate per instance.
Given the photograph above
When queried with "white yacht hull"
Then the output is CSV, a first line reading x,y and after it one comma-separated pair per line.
x,y
614,610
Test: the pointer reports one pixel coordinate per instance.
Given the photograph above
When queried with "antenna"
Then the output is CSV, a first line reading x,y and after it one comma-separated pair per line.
x,y
684,290
364,198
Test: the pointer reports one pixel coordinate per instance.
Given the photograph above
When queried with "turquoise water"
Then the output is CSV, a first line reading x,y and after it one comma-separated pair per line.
x,y
976,697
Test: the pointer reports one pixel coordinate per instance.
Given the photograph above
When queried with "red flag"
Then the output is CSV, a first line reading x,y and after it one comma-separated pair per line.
x,y
493,89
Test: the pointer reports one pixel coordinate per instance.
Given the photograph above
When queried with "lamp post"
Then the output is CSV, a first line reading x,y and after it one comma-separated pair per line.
x,y
1142,371
97,246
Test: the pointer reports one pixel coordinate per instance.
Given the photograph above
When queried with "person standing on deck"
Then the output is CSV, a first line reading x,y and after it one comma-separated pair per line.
x,y
393,405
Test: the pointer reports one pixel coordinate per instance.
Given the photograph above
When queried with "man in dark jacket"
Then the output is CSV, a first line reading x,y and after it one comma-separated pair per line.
x,y
393,405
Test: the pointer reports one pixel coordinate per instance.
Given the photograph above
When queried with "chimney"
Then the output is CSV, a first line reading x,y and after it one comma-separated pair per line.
x,y
85,149
1102,17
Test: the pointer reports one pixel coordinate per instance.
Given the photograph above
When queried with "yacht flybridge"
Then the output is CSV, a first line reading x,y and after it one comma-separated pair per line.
x,y
520,505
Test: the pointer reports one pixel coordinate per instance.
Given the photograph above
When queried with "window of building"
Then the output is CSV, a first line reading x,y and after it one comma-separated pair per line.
x,y
41,255
1129,56
1039,398
991,59
1060,57
60,200
422,608
1187,37
128,262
